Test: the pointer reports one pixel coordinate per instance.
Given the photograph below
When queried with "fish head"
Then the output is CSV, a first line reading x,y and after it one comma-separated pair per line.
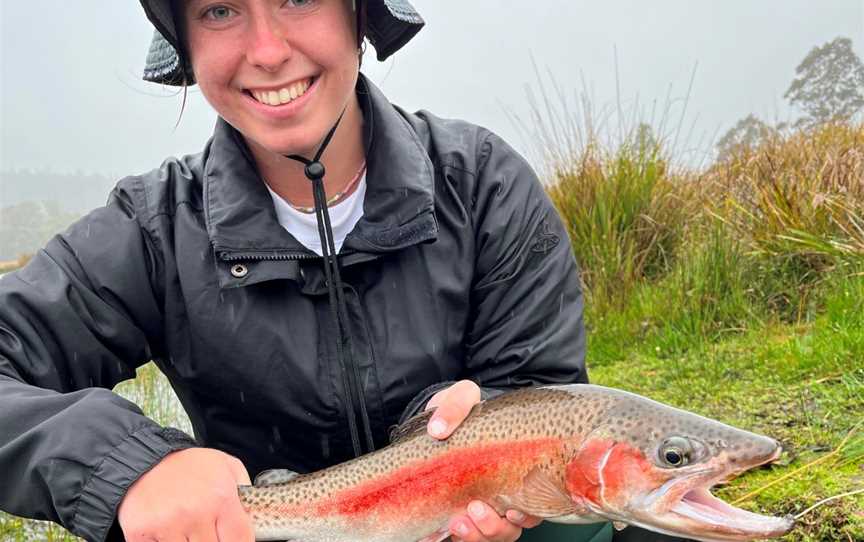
x,y
652,465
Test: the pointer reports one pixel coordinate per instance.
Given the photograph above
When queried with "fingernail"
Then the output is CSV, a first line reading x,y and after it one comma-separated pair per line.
x,y
516,516
437,427
462,529
477,510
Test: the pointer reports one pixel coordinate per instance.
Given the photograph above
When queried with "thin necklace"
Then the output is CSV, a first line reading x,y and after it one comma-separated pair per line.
x,y
338,196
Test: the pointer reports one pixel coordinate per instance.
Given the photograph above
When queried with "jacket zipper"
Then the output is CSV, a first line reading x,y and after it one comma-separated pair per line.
x,y
353,370
226,256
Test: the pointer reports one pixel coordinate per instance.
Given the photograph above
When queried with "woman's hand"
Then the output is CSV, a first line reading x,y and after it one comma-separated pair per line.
x,y
481,523
189,495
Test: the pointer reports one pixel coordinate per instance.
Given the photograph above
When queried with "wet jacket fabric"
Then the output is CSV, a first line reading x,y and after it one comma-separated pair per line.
x,y
460,268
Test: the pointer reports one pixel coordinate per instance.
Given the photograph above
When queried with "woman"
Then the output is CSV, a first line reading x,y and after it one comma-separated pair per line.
x,y
453,282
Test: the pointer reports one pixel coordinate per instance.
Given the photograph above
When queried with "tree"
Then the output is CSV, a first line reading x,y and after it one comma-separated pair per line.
x,y
749,133
829,84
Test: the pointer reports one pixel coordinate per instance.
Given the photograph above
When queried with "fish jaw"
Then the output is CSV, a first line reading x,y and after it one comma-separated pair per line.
x,y
684,506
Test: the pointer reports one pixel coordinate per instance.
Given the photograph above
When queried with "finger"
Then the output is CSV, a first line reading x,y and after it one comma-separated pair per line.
x,y
523,520
464,530
234,524
238,469
493,526
453,410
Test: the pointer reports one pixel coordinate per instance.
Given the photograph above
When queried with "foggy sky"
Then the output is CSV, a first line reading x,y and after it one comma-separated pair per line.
x,y
71,97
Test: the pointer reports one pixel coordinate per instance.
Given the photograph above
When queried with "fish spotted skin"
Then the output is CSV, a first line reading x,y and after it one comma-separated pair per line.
x,y
571,454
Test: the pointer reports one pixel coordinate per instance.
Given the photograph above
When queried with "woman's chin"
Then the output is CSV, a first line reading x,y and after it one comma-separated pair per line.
x,y
305,146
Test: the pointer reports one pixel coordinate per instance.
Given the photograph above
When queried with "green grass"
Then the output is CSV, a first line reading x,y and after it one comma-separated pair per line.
x,y
802,384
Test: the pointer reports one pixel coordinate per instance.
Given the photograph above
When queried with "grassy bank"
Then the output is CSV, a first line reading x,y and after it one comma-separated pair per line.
x,y
736,292
803,384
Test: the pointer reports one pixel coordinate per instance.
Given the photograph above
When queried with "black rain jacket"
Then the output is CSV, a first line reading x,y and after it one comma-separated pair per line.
x,y
459,268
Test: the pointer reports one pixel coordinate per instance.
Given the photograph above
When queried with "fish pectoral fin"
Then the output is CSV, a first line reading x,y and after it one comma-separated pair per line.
x,y
619,525
543,497
274,476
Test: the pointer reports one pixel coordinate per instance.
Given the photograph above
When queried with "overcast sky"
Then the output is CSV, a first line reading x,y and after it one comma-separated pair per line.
x,y
71,97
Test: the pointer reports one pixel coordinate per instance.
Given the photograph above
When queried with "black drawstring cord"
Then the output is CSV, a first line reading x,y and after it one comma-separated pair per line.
x,y
314,171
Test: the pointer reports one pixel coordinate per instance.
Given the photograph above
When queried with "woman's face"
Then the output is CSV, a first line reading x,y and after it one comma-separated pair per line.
x,y
279,71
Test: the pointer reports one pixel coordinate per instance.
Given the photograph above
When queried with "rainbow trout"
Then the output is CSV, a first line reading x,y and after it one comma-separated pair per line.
x,y
568,454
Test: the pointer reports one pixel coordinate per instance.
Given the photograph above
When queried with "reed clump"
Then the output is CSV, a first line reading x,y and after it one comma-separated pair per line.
x,y
626,214
780,217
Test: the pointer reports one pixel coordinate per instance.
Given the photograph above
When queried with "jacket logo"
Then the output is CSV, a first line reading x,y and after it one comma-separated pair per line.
x,y
544,238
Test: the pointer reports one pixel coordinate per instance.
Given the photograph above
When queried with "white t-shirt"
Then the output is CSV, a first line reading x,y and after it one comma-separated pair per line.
x,y
304,226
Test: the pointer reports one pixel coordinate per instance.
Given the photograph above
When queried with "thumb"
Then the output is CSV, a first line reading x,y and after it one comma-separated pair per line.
x,y
452,408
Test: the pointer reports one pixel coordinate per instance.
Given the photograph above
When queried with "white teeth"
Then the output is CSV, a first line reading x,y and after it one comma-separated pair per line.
x,y
283,95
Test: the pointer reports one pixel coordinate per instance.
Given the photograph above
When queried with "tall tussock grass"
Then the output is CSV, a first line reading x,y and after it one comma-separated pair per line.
x,y
798,195
697,252
625,214
798,201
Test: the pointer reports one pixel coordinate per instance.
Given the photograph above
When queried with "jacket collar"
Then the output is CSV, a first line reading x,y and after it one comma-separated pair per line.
x,y
398,209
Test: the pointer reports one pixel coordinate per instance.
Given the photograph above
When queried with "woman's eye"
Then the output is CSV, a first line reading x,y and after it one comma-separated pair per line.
x,y
218,12
300,3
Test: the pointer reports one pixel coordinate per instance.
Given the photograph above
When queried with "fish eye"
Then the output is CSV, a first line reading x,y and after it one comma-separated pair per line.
x,y
675,452
674,457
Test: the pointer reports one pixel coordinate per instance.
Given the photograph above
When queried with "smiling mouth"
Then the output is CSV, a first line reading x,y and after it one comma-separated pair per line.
x,y
282,95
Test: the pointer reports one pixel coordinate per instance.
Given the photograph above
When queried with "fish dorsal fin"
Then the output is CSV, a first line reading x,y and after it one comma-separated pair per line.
x,y
274,476
410,427
543,497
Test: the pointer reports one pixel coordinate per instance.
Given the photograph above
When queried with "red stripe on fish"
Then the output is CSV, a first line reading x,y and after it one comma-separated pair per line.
x,y
434,481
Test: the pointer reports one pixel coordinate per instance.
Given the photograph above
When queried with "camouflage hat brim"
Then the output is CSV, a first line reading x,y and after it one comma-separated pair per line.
x,y
390,24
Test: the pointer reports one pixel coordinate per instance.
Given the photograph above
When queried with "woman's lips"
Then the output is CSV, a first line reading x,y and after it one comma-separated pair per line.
x,y
283,95
282,110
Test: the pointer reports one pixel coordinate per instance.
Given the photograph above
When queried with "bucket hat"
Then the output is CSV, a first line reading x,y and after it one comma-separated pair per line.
x,y
390,24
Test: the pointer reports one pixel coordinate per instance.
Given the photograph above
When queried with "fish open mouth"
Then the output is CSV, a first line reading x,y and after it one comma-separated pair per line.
x,y
727,521
687,508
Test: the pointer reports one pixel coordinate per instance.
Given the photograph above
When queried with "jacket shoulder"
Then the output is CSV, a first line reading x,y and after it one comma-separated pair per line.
x,y
453,143
474,160
161,191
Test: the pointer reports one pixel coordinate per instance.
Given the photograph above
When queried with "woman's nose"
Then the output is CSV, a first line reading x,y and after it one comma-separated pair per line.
x,y
268,46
